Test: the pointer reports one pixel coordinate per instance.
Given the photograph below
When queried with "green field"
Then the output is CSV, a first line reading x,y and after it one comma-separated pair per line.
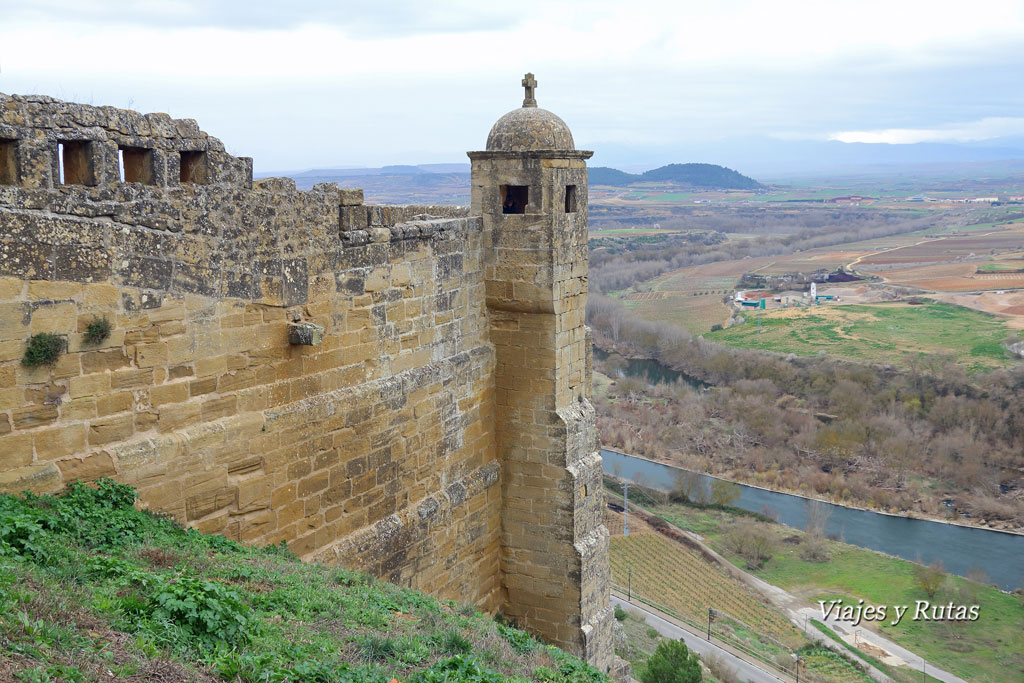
x,y
1002,267
884,333
989,649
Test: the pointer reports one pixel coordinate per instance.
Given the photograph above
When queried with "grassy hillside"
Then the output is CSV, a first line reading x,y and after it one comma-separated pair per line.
x,y
92,589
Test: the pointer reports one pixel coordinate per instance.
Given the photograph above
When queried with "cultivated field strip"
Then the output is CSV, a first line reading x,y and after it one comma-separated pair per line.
x,y
670,575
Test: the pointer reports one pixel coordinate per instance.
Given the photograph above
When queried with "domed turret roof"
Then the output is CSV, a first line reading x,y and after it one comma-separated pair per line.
x,y
529,128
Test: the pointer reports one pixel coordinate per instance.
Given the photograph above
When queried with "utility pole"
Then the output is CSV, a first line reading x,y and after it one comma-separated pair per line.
x,y
711,615
625,498
629,585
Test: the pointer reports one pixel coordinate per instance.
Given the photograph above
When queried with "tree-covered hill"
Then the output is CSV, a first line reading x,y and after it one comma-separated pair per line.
x,y
92,589
706,176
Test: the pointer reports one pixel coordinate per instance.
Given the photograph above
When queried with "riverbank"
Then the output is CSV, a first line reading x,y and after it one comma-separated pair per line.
x,y
796,494
833,459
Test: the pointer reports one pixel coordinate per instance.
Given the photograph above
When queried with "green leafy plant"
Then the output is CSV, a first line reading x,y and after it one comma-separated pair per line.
x,y
521,641
97,330
20,530
206,610
43,349
620,614
672,662
457,668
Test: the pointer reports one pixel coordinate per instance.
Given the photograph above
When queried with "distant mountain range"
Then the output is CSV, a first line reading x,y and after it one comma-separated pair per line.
x,y
403,184
424,177
703,176
773,160
348,172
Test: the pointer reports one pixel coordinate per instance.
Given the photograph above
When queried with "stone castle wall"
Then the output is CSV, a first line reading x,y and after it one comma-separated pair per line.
x,y
375,448
437,434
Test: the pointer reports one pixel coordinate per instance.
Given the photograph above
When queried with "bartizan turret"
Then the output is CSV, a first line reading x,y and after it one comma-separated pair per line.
x,y
530,187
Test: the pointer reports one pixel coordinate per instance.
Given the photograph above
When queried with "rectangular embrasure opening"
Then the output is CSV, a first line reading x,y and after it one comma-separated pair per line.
x,y
75,161
570,199
193,168
514,198
8,162
136,165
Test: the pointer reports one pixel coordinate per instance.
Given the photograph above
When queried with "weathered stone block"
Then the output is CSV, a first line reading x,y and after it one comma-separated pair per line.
x,y
87,469
175,392
305,334
111,429
208,502
350,196
16,450
177,416
37,478
34,416
114,403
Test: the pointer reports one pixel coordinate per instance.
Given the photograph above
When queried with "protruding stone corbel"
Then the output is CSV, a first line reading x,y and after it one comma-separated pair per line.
x,y
305,334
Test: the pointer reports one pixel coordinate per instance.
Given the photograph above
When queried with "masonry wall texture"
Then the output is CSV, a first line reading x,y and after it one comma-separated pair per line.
x,y
389,446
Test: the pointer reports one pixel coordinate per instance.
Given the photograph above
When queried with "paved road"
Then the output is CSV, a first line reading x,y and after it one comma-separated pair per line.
x,y
745,671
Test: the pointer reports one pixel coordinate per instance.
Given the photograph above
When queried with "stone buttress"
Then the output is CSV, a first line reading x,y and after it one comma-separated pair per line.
x,y
530,187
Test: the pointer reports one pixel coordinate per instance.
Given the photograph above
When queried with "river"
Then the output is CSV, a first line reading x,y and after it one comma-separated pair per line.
x,y
652,371
1000,555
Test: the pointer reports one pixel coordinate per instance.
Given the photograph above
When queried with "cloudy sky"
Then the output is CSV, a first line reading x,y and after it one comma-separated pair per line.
x,y
316,83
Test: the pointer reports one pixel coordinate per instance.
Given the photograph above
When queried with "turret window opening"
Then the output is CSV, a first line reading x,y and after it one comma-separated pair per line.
x,y
8,162
514,198
570,199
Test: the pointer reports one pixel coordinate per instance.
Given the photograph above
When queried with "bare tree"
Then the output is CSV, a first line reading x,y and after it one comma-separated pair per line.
x,y
929,578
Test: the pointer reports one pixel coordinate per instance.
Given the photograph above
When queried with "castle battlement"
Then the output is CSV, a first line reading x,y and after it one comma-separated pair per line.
x,y
398,389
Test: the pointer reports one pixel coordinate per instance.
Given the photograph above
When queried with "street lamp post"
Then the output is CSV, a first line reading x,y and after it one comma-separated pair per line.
x,y
625,513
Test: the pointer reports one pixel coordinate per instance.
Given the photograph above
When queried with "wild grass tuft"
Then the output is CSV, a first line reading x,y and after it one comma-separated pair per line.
x,y
43,349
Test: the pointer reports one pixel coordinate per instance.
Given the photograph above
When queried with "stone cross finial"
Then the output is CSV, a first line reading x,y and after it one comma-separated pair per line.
x,y
529,82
